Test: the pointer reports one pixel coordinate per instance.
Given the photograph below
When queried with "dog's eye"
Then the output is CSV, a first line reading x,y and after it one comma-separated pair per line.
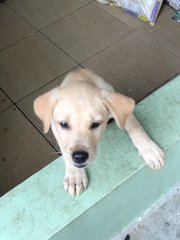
x,y
95,125
64,125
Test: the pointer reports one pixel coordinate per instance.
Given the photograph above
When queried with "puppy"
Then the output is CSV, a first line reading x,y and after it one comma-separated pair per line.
x,y
78,112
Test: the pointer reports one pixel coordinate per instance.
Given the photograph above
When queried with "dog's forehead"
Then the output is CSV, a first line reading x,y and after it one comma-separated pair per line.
x,y
77,108
79,104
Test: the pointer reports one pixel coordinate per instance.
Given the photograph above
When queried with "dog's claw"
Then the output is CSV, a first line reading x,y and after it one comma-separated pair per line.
x,y
75,181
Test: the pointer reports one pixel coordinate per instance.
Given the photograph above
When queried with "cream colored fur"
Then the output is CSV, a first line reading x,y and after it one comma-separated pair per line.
x,y
84,99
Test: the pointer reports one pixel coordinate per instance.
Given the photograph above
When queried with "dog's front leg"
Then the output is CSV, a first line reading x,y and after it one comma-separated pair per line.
x,y
152,154
75,180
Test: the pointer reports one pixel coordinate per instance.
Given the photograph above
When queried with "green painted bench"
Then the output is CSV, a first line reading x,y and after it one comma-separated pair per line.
x,y
121,186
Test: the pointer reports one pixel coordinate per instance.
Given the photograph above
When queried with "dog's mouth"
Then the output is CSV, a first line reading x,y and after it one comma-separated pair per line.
x,y
80,165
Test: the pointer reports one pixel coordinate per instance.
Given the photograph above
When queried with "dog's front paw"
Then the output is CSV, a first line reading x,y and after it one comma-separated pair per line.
x,y
75,181
152,154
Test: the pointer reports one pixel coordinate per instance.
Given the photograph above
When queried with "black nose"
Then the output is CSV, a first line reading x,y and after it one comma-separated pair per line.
x,y
80,156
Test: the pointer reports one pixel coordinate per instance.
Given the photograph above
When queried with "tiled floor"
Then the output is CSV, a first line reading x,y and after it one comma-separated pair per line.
x,y
40,41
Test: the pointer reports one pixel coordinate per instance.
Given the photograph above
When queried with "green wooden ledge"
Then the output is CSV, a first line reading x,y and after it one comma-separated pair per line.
x,y
121,187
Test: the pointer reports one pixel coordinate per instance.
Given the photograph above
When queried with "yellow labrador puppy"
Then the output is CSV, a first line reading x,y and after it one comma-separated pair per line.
x,y
78,112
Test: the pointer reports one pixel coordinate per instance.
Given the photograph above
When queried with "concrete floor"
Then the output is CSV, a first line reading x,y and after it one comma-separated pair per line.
x,y
43,40
161,222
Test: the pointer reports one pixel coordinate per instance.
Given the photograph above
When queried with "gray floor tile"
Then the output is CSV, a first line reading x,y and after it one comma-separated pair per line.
x,y
166,32
30,64
43,12
12,27
134,66
85,32
4,101
23,150
123,16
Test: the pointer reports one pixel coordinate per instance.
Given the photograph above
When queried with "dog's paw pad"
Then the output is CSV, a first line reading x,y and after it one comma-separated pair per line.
x,y
75,181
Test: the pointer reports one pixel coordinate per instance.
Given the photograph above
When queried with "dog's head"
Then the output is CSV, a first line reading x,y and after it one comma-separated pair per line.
x,y
78,116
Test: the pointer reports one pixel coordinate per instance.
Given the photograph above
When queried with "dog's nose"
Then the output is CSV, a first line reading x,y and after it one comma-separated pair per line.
x,y
80,156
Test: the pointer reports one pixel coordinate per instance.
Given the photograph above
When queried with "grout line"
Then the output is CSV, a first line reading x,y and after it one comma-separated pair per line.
x,y
17,14
60,18
14,104
95,3
76,61
58,152
59,48
118,40
177,56
79,63
7,96
39,31
22,39
141,26
6,108
108,46
158,87
51,81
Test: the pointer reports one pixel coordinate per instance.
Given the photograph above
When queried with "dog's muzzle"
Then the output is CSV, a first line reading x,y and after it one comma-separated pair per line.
x,y
79,158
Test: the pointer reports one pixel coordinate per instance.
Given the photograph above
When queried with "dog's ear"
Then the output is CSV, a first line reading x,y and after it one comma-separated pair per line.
x,y
119,106
44,105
